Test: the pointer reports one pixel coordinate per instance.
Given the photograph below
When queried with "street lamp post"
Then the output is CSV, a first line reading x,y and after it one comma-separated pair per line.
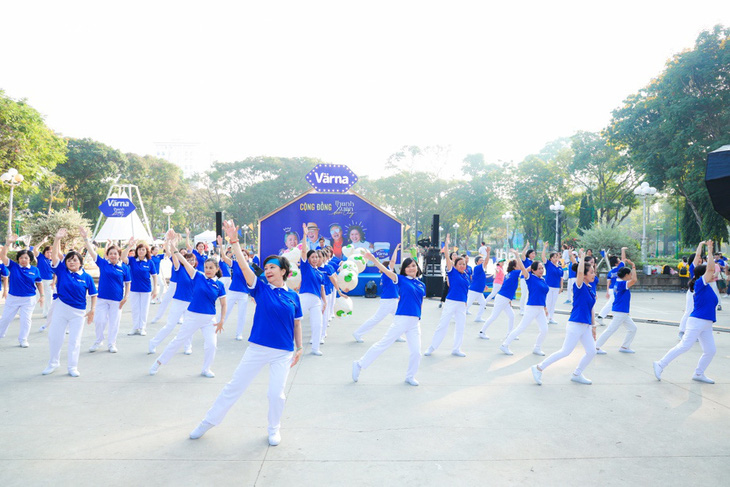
x,y
456,235
557,208
169,211
11,178
507,216
643,192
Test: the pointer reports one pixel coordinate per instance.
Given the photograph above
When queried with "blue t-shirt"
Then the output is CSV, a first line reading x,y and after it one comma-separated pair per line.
x,y
458,285
157,259
527,263
3,273
622,297
571,273
201,260
327,270
412,291
388,289
537,288
584,298
311,279
112,279
22,279
705,301
509,286
205,293
225,270
173,274
73,287
479,280
613,275
44,265
553,275
141,272
184,288
469,272
273,320
691,269
238,281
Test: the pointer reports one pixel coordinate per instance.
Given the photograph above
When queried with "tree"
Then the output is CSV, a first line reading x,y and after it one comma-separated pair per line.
x,y
586,213
47,225
610,239
669,127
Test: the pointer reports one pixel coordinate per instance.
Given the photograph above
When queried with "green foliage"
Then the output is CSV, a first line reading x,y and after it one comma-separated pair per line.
x,y
611,239
670,126
47,226
586,213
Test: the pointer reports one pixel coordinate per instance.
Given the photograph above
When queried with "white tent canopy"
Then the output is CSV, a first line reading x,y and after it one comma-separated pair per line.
x,y
207,236
123,229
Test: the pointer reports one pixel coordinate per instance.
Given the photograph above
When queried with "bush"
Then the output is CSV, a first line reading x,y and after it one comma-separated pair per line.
x,y
603,237
47,225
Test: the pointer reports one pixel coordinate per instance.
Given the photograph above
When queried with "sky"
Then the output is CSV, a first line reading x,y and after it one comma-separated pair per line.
x,y
346,82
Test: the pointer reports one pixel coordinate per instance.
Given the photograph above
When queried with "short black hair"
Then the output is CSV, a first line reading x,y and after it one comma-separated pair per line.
x,y
407,263
623,272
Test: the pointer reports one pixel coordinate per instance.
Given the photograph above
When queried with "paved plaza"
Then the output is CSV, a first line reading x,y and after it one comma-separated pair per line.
x,y
479,420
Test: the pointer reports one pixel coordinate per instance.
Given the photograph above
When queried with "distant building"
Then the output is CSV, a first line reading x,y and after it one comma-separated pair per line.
x,y
191,157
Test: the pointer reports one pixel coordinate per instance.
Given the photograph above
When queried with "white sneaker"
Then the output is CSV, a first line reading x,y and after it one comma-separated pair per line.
x,y
658,371
155,367
321,341
537,375
703,378
400,339
208,373
479,320
539,352
188,351
458,353
505,350
113,348
239,338
626,350
468,312
151,349
200,430
94,347
133,332
483,336
74,372
24,344
411,381
580,379
600,351
428,352
275,439
49,370
357,338
143,332
356,369
552,322
318,353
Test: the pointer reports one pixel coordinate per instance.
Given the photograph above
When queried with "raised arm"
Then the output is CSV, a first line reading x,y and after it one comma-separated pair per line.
x,y
710,272
127,250
572,257
486,259
56,249
698,254
447,253
232,233
623,255
523,254
544,252
305,245
581,268
388,272
171,249
87,243
521,267
38,248
183,261
221,253
634,278
4,251
187,240
394,257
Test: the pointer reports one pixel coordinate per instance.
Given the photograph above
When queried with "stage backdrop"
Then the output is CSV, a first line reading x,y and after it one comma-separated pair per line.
x,y
341,218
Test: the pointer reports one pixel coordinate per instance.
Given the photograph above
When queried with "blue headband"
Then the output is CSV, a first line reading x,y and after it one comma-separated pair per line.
x,y
274,260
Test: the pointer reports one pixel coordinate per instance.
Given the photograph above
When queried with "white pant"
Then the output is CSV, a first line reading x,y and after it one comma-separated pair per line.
x,y
240,298
501,304
571,281
18,305
65,316
226,282
140,305
524,292
330,311
254,359
531,313
457,311
193,322
313,305
177,309
492,295
689,306
696,329
475,296
107,312
387,307
47,296
607,307
410,325
165,302
574,332
551,300
618,320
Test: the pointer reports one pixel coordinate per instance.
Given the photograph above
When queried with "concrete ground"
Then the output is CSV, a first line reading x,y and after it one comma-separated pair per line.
x,y
479,420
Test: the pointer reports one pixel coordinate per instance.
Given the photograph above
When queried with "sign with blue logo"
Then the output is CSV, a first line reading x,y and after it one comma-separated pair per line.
x,y
117,207
331,178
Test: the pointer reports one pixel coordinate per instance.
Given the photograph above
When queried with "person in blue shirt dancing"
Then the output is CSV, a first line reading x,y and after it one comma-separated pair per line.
x,y
623,280
455,304
407,318
24,280
478,284
699,324
73,284
527,257
43,259
114,283
238,293
388,300
312,293
503,300
554,280
199,251
275,333
611,280
144,284
689,304
580,324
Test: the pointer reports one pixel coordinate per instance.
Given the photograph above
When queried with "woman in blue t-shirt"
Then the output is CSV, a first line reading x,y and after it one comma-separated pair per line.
x,y
114,283
622,282
528,255
201,312
73,284
24,280
580,324
689,303
478,284
554,280
166,298
156,257
388,300
455,306
407,318
311,292
275,332
699,324
535,309
503,300
238,294
43,258
144,284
